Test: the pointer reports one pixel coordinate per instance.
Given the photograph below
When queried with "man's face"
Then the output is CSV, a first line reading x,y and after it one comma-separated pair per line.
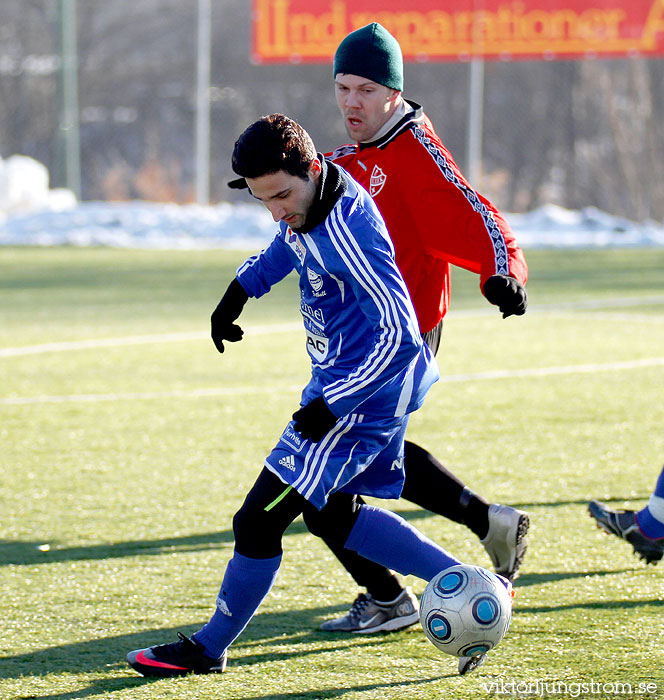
x,y
287,197
365,106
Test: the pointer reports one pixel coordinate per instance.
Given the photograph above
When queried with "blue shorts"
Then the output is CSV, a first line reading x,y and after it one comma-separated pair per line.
x,y
359,455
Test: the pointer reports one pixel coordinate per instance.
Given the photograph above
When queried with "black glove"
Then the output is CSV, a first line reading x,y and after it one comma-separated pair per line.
x,y
228,309
508,294
314,420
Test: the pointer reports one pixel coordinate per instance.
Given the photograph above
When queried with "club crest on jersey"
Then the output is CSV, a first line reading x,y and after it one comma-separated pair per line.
x,y
316,282
377,181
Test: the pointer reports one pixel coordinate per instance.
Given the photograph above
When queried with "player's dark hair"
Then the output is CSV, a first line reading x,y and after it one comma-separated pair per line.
x,y
271,144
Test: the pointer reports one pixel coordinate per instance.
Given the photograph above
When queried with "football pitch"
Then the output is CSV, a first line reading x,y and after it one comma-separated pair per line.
x,y
128,442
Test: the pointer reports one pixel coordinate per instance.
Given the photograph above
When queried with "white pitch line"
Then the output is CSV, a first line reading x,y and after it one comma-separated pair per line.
x,y
97,343
65,346
579,305
548,371
137,340
619,302
146,395
233,391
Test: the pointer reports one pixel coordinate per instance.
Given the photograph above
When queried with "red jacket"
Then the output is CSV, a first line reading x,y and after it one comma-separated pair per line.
x,y
433,215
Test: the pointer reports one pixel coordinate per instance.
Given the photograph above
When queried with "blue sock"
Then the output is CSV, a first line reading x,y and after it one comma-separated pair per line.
x,y
246,583
651,518
388,539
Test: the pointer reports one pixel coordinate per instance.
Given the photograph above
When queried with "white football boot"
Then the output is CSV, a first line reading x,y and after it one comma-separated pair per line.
x,y
505,542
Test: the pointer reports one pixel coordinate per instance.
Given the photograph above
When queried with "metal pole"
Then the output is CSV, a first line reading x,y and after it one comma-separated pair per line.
x,y
203,103
69,122
475,122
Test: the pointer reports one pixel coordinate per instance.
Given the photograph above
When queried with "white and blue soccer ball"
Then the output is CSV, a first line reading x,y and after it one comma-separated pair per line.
x,y
465,610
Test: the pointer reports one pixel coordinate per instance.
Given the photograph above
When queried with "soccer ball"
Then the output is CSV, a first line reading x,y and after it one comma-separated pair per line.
x,y
465,610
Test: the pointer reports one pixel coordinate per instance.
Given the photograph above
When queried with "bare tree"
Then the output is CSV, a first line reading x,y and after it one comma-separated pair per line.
x,y
576,133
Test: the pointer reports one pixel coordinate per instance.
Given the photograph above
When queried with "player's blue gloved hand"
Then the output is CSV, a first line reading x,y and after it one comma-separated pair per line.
x,y
314,420
507,293
227,311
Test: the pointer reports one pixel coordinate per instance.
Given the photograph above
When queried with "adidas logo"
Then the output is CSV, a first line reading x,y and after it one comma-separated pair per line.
x,y
288,462
223,608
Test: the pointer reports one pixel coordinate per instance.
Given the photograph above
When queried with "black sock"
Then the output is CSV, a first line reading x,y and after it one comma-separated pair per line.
x,y
475,513
431,485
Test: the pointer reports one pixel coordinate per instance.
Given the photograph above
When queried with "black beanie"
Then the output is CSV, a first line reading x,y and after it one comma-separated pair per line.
x,y
373,53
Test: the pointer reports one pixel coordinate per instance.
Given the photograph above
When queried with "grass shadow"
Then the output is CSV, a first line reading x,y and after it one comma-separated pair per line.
x,y
28,552
298,638
341,691
103,686
99,687
593,605
535,579
580,502
297,629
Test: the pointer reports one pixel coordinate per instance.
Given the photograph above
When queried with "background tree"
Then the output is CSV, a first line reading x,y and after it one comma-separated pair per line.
x,y
574,133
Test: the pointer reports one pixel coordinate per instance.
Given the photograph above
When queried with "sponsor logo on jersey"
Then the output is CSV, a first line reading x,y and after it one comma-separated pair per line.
x,y
316,282
292,438
288,461
317,345
377,181
296,245
311,313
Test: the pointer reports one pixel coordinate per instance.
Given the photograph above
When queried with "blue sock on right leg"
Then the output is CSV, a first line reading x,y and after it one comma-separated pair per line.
x,y
387,539
651,518
246,583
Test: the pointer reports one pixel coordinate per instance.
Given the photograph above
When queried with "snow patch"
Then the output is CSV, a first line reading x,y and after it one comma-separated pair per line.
x,y
33,214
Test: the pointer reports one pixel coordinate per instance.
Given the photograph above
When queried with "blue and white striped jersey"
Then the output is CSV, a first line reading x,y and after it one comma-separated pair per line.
x,y
362,334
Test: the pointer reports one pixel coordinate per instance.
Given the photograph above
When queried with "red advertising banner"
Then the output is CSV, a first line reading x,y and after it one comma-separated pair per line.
x,y
308,31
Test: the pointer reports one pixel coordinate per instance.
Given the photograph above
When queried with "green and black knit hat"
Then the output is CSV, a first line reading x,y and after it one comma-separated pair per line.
x,y
373,53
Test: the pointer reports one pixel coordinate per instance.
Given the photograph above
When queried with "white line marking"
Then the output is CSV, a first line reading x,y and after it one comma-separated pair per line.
x,y
614,317
146,395
64,346
620,302
233,391
579,305
548,371
138,340
295,326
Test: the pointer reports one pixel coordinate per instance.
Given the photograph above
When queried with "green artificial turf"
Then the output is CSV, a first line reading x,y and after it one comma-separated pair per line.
x,y
127,443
